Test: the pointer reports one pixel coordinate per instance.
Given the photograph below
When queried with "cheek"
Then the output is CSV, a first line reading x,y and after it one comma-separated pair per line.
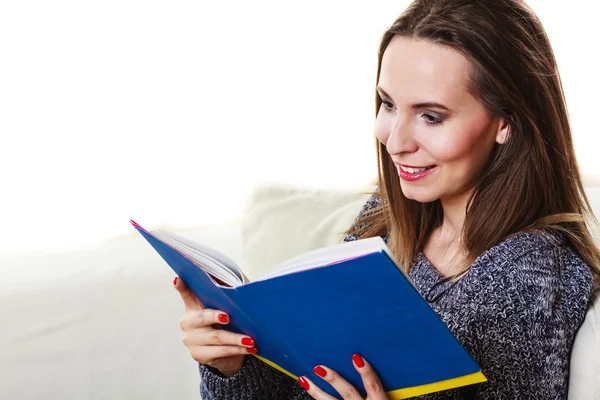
x,y
449,148
464,144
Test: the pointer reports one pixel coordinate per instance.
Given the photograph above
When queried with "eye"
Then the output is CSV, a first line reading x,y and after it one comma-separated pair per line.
x,y
387,105
431,119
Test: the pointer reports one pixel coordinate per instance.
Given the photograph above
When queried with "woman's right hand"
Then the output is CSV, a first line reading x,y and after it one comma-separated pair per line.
x,y
206,342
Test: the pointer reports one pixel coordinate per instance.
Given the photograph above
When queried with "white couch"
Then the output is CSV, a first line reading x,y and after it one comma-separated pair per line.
x,y
103,323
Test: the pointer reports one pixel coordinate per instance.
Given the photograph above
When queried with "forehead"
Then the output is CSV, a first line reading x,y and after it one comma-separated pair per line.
x,y
420,68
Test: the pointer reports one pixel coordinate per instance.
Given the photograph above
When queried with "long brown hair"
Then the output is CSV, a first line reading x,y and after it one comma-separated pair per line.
x,y
532,182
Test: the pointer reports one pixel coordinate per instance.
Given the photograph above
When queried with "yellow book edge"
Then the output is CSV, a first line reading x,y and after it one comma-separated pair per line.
x,y
406,393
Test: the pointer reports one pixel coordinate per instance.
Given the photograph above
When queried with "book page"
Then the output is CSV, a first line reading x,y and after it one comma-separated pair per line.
x,y
212,261
329,255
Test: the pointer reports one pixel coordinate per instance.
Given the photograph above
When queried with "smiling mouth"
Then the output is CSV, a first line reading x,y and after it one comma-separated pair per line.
x,y
412,174
415,170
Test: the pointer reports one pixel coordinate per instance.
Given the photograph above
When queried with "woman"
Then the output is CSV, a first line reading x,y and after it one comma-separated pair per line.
x,y
480,200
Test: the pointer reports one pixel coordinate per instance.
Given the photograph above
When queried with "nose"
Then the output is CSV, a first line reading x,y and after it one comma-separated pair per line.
x,y
401,139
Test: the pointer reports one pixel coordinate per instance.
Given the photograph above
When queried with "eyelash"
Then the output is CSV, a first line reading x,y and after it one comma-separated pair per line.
x,y
434,121
431,120
387,105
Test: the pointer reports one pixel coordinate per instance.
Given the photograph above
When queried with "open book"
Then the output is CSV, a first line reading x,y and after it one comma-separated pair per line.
x,y
325,305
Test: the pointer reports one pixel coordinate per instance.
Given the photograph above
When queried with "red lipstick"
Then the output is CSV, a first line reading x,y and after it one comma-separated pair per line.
x,y
407,176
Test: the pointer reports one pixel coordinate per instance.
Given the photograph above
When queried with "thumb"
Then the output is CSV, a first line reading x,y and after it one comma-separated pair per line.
x,y
190,301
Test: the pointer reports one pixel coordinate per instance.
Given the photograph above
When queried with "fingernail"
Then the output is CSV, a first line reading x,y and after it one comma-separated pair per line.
x,y
223,318
358,360
252,350
248,341
320,371
175,281
304,383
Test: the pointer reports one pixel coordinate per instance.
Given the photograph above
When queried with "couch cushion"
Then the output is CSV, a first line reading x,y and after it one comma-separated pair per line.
x,y
593,195
98,323
282,221
585,358
584,381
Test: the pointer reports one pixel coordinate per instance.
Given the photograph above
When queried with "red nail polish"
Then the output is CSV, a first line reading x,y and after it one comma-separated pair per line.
x,y
248,341
304,383
223,318
175,281
253,350
358,360
320,371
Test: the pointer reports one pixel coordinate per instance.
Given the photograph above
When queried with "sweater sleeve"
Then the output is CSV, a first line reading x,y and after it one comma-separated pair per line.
x,y
525,332
254,381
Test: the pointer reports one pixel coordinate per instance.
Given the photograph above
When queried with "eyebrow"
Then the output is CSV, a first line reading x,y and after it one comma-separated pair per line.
x,y
429,104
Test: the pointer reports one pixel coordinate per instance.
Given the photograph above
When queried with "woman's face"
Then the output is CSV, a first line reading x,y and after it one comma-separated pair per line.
x,y
428,119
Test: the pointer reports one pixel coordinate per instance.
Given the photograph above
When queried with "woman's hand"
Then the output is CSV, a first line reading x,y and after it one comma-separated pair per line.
x,y
348,392
207,343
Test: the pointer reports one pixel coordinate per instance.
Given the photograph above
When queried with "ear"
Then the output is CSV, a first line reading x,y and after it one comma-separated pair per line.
x,y
503,131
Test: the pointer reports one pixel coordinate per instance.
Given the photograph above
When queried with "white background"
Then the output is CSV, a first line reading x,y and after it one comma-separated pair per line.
x,y
171,112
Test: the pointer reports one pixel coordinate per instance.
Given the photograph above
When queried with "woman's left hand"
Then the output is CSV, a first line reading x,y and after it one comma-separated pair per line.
x,y
370,380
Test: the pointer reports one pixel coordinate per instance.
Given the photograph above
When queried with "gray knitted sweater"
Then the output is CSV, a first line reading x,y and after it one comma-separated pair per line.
x,y
516,312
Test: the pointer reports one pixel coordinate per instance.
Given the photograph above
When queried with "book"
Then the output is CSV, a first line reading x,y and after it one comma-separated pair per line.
x,y
321,307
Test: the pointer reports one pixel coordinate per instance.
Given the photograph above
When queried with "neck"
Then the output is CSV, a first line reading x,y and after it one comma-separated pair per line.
x,y
444,247
454,216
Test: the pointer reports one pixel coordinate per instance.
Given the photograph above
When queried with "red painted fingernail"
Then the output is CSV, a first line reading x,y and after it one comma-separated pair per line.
x,y
223,318
320,371
304,383
252,350
175,281
358,360
248,341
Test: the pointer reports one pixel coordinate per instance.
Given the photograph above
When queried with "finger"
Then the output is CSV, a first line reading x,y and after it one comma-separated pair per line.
x,y
216,337
194,319
370,379
313,390
342,386
208,354
190,300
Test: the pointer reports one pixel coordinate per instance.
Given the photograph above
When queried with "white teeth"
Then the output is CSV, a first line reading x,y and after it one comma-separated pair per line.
x,y
412,170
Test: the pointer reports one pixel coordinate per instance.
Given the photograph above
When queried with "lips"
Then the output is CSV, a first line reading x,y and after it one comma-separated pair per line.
x,y
414,173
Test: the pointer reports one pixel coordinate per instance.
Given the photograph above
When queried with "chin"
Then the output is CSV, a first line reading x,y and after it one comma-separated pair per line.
x,y
421,195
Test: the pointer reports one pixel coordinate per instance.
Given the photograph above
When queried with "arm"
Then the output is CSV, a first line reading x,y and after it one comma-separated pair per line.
x,y
525,332
255,380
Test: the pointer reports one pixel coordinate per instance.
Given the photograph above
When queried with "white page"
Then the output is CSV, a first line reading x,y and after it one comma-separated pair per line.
x,y
328,255
211,265
223,268
216,255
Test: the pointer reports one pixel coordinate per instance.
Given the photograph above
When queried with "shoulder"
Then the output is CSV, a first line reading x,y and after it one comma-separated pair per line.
x,y
524,253
539,274
372,204
523,305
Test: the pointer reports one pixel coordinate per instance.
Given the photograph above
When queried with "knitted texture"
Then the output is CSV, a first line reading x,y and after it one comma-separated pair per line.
x,y
516,311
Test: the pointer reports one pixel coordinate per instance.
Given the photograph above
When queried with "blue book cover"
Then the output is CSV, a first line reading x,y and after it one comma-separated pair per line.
x,y
322,315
